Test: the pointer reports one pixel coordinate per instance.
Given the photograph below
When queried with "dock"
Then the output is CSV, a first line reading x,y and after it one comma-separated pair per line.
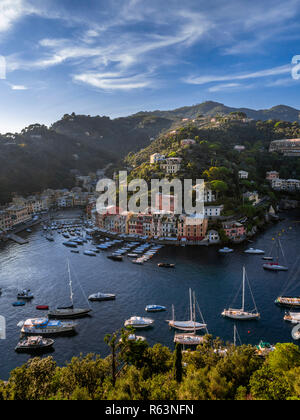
x,y
17,239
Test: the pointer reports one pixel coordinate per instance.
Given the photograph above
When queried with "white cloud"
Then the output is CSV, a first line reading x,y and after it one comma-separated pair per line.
x,y
224,86
18,87
201,80
13,10
112,81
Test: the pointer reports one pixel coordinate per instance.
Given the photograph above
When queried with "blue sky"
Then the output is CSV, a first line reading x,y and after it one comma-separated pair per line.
x,y
117,57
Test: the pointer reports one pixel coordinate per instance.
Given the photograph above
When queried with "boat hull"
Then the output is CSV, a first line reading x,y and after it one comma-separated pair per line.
x,y
240,315
288,302
68,313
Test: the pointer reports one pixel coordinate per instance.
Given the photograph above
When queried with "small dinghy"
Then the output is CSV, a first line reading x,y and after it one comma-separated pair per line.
x,y
165,265
31,344
225,250
98,297
42,308
115,257
90,253
155,308
16,304
296,332
254,251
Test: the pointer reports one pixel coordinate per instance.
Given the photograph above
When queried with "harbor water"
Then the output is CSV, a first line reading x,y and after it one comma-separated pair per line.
x,y
41,266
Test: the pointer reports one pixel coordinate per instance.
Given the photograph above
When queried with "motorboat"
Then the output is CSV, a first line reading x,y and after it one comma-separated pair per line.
x,y
288,302
241,314
44,326
29,344
155,308
25,295
293,317
97,297
189,339
17,304
132,255
133,337
225,250
139,322
254,251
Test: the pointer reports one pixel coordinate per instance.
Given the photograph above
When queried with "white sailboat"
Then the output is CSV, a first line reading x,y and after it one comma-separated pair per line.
x,y
276,266
69,312
190,325
241,314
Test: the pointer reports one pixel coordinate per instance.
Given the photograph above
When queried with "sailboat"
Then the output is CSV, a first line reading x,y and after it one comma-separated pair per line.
x,y
190,325
241,314
69,312
275,266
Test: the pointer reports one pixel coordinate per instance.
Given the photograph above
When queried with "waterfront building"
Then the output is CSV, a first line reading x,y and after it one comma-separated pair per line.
x,y
234,230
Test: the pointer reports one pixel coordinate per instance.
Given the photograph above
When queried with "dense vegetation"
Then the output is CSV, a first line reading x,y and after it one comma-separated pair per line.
x,y
135,371
41,157
214,159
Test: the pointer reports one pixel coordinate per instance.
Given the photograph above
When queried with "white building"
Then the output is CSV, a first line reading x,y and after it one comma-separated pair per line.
x,y
213,212
286,184
171,165
243,175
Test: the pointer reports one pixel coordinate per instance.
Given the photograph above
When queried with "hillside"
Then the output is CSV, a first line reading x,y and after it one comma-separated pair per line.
x,y
210,109
40,157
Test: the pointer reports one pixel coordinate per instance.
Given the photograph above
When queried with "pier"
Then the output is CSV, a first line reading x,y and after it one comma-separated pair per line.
x,y
17,239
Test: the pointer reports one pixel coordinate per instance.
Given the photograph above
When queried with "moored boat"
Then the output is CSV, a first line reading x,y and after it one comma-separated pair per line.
x,y
288,302
155,308
115,257
31,344
44,326
25,295
274,266
293,317
191,325
241,314
225,250
254,251
165,265
139,322
42,307
98,297
189,339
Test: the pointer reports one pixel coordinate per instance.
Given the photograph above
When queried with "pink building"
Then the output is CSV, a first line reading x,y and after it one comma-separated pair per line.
x,y
234,230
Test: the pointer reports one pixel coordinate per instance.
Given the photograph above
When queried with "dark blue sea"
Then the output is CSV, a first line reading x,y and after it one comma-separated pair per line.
x,y
42,267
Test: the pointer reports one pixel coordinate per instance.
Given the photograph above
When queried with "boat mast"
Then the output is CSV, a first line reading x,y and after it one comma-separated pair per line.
x,y
243,299
70,283
191,306
194,315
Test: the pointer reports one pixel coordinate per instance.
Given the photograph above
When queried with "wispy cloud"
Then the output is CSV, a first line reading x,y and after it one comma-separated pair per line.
x,y
201,80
